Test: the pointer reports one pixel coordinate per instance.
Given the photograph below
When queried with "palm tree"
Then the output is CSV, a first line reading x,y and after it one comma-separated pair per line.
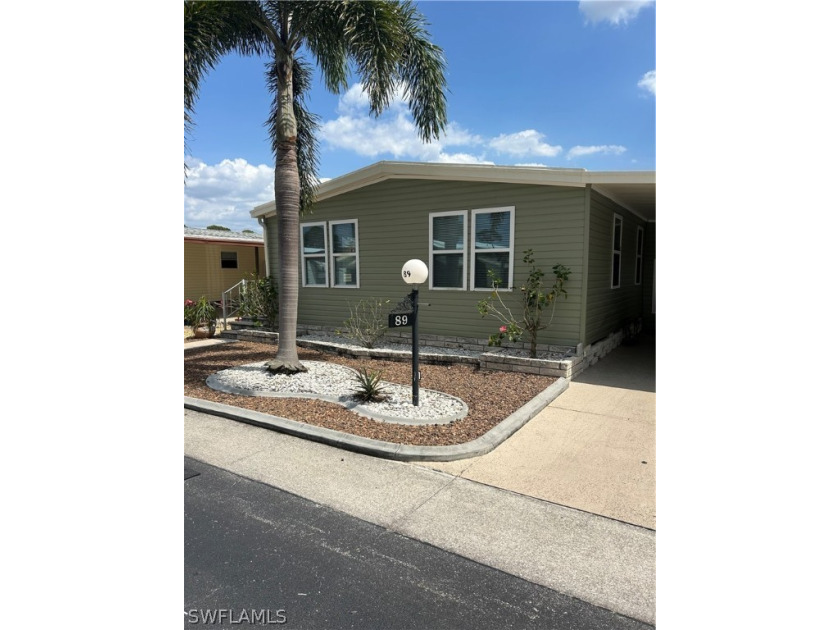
x,y
384,42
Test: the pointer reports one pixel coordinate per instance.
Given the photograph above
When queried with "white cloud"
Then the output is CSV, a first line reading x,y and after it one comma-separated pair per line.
x,y
462,158
615,12
225,193
392,135
648,82
522,143
354,100
605,149
532,164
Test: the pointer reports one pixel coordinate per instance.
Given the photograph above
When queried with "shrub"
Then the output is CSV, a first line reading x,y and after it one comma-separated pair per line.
x,y
370,386
368,322
533,301
259,300
200,313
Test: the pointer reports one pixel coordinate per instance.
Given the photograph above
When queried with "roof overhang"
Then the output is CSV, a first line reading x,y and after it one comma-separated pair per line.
x,y
634,190
227,241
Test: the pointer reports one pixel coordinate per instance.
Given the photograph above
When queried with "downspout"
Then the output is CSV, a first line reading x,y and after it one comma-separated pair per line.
x,y
261,221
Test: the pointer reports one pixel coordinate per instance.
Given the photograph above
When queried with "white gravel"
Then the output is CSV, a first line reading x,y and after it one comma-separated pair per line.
x,y
337,383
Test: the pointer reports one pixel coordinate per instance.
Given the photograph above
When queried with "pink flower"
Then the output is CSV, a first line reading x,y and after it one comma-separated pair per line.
x,y
502,329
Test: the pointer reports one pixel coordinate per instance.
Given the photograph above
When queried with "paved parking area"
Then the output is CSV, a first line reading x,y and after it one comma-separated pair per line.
x,y
593,448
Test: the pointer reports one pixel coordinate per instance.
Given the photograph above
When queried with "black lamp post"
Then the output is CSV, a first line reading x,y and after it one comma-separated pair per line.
x,y
415,272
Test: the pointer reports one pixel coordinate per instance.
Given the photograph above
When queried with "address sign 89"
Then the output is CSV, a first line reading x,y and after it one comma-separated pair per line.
x,y
397,320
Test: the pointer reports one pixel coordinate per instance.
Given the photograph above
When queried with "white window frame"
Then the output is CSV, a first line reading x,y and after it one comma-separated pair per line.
x,y
325,255
333,255
433,252
509,249
640,247
615,283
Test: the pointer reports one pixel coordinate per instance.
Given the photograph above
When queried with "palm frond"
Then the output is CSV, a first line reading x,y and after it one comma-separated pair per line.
x,y
422,71
212,30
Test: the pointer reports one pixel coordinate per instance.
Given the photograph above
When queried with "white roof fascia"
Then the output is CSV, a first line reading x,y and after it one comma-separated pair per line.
x,y
544,176
262,210
621,177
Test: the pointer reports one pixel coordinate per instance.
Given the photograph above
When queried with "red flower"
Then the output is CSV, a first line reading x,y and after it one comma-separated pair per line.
x,y
502,329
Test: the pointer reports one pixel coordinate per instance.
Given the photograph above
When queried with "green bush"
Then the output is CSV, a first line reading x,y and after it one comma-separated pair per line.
x,y
200,313
259,300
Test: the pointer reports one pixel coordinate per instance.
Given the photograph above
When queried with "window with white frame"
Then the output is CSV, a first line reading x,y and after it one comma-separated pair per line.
x,y
640,236
615,280
492,248
344,251
313,259
447,250
329,254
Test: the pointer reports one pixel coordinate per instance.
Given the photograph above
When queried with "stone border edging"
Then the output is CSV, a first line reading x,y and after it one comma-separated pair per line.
x,y
380,448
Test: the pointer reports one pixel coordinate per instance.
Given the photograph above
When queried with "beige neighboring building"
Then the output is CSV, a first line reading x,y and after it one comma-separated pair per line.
x,y
215,260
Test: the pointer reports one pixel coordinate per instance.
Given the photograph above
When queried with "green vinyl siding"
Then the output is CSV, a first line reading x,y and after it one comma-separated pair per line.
x,y
393,227
607,308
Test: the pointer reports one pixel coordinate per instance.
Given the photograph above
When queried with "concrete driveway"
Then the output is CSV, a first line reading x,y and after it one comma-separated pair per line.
x,y
593,448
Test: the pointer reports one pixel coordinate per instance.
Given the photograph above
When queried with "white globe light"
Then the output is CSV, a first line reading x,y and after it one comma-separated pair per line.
x,y
415,272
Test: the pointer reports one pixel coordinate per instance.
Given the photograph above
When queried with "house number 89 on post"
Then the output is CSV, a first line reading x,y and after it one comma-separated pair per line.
x,y
398,320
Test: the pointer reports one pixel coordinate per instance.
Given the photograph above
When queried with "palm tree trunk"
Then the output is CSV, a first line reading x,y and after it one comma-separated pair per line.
x,y
287,202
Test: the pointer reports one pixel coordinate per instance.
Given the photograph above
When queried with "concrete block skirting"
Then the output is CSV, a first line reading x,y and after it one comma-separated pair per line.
x,y
489,358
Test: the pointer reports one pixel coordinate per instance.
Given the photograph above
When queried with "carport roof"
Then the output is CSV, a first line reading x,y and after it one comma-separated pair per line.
x,y
634,190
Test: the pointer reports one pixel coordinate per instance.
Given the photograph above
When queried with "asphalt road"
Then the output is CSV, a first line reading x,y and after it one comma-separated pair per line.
x,y
256,556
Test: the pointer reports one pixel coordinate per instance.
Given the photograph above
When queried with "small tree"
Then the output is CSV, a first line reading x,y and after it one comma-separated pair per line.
x,y
534,300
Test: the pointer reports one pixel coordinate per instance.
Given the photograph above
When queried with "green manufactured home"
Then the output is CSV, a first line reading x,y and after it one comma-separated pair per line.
x,y
462,220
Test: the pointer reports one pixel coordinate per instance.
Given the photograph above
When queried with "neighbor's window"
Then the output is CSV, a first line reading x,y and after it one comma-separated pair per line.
x,y
615,281
229,260
640,236
447,250
492,247
313,242
344,252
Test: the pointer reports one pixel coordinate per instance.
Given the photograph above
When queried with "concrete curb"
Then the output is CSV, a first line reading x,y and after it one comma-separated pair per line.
x,y
389,450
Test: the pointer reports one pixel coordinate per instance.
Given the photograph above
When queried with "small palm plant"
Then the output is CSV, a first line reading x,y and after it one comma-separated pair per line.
x,y
370,387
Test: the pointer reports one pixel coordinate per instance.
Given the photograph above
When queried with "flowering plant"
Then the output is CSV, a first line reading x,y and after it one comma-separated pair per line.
x,y
200,313
188,305
510,331
534,299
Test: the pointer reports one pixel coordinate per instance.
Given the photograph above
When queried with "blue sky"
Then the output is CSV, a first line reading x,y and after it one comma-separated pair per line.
x,y
562,84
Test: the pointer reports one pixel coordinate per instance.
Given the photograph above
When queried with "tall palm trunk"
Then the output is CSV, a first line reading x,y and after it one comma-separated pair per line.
x,y
287,202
